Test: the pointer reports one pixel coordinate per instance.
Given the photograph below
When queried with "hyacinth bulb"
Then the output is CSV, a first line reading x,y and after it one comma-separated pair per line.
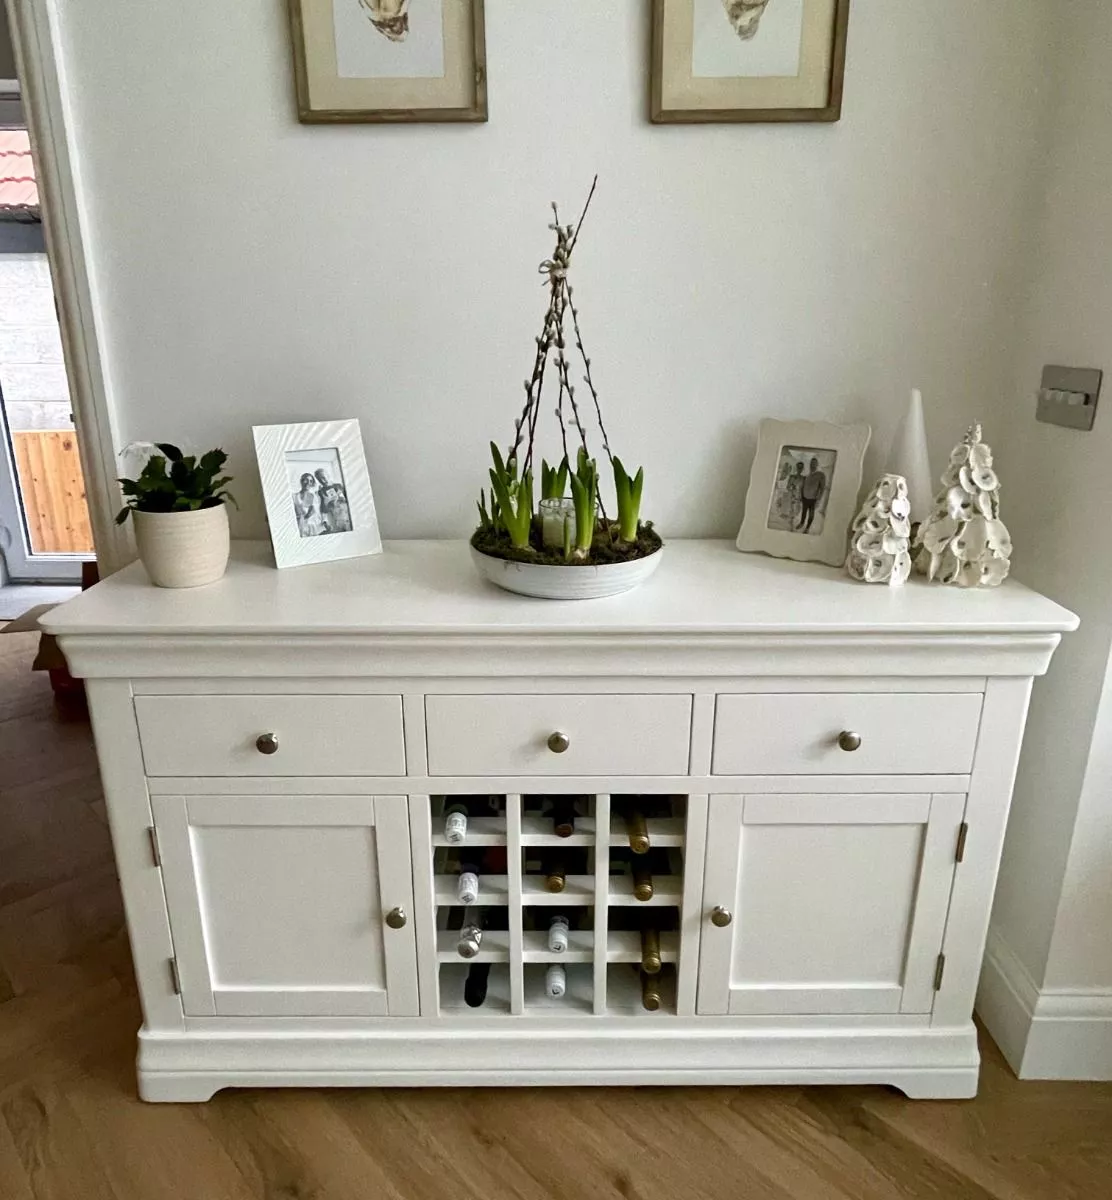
x,y
745,16
389,17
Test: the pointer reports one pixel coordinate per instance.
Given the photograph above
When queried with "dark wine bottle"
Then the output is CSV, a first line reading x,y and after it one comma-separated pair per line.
x,y
563,816
470,934
556,874
475,986
651,994
637,831
651,961
642,882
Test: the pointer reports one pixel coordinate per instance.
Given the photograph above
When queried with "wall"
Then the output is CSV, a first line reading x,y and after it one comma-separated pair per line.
x,y
253,270
1053,910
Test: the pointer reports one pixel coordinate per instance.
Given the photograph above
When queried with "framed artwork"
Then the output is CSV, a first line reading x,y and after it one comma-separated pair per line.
x,y
317,491
803,490
389,60
748,60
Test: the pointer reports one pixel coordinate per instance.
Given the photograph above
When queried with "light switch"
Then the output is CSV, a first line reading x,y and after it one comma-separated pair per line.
x,y
1068,397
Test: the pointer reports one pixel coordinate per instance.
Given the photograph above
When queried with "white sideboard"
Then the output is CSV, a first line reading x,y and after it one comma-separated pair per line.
x,y
824,770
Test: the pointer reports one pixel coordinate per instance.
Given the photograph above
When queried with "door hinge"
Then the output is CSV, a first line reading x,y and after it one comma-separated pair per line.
x,y
939,971
156,853
175,978
959,850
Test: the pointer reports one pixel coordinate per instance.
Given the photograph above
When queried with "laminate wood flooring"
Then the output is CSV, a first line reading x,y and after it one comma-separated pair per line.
x,y
71,1127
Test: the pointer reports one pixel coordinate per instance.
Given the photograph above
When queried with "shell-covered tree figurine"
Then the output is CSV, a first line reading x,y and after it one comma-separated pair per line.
x,y
880,543
963,541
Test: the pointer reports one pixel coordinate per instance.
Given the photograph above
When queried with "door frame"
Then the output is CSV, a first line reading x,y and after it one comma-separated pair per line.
x,y
48,110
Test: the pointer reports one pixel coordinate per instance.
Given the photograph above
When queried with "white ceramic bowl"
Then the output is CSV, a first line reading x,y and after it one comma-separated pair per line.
x,y
565,583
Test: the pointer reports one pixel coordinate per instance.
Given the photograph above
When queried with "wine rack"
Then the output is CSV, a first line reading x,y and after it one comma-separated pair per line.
x,y
610,866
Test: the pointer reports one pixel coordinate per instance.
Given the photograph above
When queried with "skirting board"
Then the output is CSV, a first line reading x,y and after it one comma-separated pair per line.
x,y
922,1063
1060,1033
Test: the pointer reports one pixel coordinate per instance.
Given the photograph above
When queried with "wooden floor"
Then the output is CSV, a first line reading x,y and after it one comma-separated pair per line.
x,y
71,1127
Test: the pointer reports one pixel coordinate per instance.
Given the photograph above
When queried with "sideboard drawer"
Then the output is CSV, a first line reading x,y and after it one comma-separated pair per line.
x,y
271,735
792,734
558,735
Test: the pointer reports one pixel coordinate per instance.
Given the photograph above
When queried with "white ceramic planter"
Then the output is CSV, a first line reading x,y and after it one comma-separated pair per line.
x,y
183,549
565,583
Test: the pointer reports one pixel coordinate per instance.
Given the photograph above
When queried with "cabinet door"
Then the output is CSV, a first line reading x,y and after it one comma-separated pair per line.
x,y
277,904
838,903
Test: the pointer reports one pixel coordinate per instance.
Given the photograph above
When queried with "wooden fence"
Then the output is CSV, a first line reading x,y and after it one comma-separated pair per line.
x,y
53,489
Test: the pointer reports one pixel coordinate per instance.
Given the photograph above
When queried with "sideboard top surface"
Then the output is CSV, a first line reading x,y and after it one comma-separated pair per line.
x,y
430,587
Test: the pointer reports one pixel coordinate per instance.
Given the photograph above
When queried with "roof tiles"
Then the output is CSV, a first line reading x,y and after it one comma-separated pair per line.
x,y
18,189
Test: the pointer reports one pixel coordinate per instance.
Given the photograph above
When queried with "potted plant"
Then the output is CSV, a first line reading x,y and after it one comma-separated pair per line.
x,y
565,547
181,520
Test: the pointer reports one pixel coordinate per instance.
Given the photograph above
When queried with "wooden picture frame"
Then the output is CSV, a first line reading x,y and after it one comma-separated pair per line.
x,y
317,491
677,96
329,93
803,490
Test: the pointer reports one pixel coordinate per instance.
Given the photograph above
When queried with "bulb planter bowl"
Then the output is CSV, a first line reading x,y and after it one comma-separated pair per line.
x,y
183,549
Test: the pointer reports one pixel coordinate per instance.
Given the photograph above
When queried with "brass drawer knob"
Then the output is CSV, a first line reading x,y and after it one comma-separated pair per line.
x,y
721,916
849,741
267,743
396,918
558,742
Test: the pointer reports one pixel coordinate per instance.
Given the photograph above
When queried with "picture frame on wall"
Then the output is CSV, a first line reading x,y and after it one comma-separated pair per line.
x,y
317,491
748,60
803,490
389,60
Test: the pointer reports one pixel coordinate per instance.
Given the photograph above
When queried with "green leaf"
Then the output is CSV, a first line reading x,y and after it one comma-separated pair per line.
x,y
123,514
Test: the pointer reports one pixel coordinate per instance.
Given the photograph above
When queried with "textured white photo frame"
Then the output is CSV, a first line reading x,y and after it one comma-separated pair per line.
x,y
850,443
272,443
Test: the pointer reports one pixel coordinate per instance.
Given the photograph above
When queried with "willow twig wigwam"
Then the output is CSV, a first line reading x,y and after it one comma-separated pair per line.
x,y
509,528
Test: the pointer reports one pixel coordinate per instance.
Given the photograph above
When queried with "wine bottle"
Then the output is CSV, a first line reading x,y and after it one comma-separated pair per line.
x,y
555,981
642,883
637,831
470,935
651,994
475,985
651,961
467,886
455,824
556,877
558,934
563,816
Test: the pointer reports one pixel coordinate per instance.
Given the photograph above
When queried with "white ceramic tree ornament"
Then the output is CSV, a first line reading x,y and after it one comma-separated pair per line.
x,y
880,543
963,541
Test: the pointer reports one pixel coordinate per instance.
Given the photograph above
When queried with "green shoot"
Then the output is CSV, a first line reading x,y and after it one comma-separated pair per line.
x,y
629,500
514,498
554,480
584,491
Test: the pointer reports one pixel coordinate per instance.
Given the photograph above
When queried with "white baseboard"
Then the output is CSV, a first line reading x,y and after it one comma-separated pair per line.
x,y
1055,1033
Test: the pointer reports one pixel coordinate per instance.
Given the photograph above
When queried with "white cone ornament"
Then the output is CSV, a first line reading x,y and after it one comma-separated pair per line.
x,y
963,541
907,456
880,542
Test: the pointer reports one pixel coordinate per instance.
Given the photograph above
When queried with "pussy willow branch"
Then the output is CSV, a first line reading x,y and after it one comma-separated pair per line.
x,y
587,376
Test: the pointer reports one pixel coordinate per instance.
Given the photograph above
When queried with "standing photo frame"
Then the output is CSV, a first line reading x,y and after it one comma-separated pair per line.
x,y
317,490
803,490
378,61
748,60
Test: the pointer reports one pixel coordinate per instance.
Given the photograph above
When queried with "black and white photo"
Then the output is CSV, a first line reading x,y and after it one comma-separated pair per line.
x,y
317,489
802,490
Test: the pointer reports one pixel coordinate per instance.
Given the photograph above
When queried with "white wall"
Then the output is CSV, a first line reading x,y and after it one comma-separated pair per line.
x,y
254,270
1057,509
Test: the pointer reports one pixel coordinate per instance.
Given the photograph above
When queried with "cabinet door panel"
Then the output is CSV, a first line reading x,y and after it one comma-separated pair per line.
x,y
838,902
277,904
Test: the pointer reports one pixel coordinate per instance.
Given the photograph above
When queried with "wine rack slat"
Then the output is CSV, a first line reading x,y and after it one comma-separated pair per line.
x,y
667,890
495,947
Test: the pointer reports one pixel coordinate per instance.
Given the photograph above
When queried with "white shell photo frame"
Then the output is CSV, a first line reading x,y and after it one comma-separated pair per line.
x,y
803,490
317,491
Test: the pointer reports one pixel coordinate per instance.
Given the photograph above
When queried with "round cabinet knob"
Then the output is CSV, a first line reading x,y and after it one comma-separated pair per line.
x,y
558,742
396,918
849,741
267,743
721,916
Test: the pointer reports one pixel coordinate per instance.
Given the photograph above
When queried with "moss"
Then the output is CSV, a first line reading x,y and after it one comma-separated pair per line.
x,y
606,548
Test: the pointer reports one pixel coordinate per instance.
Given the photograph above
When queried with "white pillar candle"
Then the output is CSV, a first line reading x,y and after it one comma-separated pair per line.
x,y
555,514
